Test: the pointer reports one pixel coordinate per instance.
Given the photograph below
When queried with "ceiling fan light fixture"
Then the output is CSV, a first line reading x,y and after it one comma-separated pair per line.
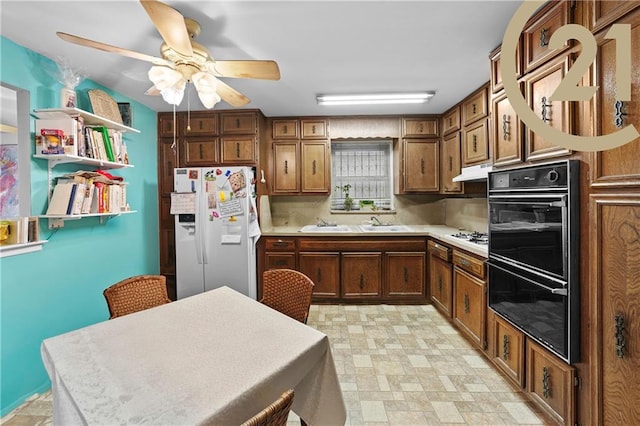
x,y
163,77
206,86
375,99
173,95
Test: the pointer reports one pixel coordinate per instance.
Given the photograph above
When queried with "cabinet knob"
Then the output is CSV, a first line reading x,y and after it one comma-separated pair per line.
x,y
505,127
544,112
473,108
618,121
450,163
313,129
422,165
475,143
546,382
285,129
406,275
544,37
361,281
313,167
201,151
439,283
286,167
466,303
237,123
505,347
237,149
319,275
619,335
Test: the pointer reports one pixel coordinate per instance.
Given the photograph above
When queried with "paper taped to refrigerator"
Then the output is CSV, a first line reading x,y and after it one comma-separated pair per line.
x,y
231,207
183,202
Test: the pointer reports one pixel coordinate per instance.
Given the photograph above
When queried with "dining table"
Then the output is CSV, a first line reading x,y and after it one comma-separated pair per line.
x,y
217,358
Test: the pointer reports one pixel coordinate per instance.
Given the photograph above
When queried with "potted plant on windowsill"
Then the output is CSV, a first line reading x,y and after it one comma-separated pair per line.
x,y
348,201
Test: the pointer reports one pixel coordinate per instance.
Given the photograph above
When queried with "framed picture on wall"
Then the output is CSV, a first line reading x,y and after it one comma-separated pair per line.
x,y
125,113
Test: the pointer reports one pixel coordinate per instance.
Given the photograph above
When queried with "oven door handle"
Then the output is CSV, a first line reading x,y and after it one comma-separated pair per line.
x,y
508,200
560,291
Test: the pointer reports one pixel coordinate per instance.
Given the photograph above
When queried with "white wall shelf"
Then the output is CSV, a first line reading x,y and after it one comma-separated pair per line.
x,y
15,249
55,159
89,118
57,221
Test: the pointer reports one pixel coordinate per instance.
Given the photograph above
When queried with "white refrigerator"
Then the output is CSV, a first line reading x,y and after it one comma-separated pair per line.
x,y
216,226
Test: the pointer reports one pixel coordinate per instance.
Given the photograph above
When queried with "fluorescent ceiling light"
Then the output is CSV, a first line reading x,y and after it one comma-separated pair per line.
x,y
374,99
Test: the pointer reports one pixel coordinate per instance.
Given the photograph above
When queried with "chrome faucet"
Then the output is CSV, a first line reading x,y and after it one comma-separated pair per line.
x,y
322,222
376,220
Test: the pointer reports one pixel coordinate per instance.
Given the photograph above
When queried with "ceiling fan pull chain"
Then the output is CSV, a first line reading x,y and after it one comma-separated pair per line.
x,y
188,112
173,145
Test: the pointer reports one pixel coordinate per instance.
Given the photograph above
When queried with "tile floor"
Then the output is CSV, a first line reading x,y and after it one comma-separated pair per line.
x,y
398,365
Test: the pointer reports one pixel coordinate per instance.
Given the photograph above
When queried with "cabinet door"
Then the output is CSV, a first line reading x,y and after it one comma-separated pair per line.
x,y
238,149
420,127
166,125
167,161
279,260
475,146
201,123
615,307
557,114
167,251
238,123
537,35
507,348
314,129
315,162
450,163
421,165
285,129
550,383
285,167
440,284
618,167
361,275
469,306
606,12
505,132
200,151
405,274
451,120
475,107
324,271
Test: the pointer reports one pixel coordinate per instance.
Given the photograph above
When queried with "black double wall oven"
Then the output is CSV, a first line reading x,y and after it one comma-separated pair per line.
x,y
533,253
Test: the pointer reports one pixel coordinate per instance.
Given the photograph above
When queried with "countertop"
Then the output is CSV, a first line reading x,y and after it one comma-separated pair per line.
x,y
441,232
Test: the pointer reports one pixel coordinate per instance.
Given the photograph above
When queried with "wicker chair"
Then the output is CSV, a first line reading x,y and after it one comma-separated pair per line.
x,y
287,291
275,414
136,294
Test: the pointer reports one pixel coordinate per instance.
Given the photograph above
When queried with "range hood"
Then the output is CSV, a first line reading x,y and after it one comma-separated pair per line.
x,y
473,173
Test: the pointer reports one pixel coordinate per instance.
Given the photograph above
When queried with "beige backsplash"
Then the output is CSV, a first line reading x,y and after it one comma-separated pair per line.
x,y
467,213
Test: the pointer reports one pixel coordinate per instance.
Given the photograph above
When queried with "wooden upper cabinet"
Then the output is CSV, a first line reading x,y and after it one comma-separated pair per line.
x,y
166,125
496,72
238,123
285,129
167,161
420,127
475,106
451,120
238,149
200,151
200,123
315,167
557,114
505,132
450,164
617,167
538,32
286,178
421,158
314,129
607,12
475,143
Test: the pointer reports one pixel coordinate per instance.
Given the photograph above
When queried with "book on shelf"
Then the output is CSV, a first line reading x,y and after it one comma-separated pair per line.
x,y
61,202
19,230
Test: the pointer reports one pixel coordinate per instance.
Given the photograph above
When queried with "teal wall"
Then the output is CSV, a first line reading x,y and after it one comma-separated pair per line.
x,y
59,289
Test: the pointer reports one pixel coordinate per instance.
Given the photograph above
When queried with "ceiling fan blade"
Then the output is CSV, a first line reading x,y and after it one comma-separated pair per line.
x,y
113,49
170,25
152,91
265,70
231,95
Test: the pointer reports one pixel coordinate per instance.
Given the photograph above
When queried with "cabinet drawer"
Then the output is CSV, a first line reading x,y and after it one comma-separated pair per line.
x,y
284,244
439,250
285,129
205,124
508,348
280,260
550,382
475,148
451,120
314,129
238,123
537,35
475,107
420,127
470,264
238,149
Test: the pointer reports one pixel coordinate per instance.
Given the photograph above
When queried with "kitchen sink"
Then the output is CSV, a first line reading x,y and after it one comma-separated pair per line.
x,y
326,228
385,228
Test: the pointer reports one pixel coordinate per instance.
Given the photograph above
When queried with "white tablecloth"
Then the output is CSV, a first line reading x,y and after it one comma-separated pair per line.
x,y
218,358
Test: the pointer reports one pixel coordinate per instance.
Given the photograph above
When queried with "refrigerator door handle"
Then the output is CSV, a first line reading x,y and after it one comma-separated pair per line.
x,y
203,227
198,227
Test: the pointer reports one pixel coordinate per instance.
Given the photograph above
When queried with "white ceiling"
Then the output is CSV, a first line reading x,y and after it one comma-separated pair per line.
x,y
321,47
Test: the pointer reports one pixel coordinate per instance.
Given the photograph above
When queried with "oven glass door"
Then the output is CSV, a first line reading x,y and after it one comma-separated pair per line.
x,y
530,233
537,309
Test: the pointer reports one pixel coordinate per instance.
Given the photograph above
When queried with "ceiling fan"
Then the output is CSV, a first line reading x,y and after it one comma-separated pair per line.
x,y
185,61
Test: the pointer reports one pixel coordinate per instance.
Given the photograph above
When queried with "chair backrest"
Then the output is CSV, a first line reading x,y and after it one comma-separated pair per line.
x,y
275,414
136,294
287,291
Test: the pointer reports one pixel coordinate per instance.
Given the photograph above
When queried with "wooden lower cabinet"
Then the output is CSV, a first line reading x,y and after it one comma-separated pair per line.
x,y
469,306
550,382
405,274
440,284
506,347
361,275
324,271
